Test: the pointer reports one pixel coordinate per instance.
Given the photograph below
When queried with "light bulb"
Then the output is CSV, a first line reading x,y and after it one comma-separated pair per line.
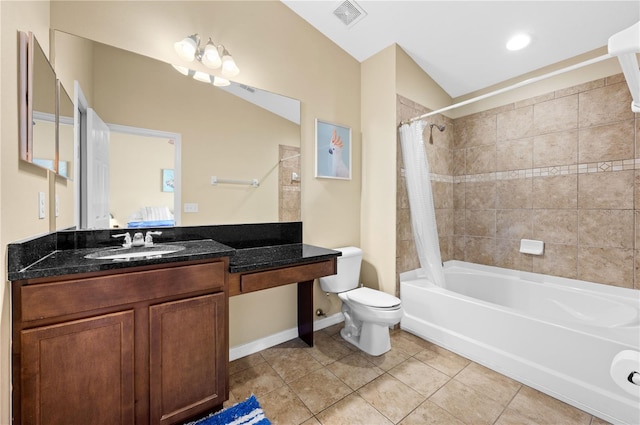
x,y
210,56
229,67
181,69
220,82
202,76
187,47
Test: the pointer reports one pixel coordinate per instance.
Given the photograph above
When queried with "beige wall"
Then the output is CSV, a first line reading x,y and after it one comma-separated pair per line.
x,y
19,182
413,83
378,170
274,55
138,162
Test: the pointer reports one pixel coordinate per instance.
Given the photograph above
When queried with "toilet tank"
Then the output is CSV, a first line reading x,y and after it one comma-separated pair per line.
x,y
348,274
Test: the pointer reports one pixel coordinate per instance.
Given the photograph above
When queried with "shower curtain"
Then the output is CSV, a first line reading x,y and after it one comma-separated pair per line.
x,y
423,213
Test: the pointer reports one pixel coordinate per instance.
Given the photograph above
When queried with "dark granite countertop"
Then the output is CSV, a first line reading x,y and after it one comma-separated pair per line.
x,y
249,247
250,259
73,261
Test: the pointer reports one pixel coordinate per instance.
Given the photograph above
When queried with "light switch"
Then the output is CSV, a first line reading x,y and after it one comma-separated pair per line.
x,y
41,205
190,208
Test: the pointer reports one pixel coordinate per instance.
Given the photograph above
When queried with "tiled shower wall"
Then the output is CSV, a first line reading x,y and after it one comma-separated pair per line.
x,y
559,168
288,187
440,156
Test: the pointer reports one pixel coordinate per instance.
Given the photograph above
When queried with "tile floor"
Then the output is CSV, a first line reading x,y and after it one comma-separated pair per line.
x,y
416,382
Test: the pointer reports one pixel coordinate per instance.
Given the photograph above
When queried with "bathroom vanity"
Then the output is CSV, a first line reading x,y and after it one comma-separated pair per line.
x,y
145,340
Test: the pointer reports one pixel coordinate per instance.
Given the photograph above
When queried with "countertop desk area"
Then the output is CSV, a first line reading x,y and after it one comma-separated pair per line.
x,y
255,269
261,256
148,326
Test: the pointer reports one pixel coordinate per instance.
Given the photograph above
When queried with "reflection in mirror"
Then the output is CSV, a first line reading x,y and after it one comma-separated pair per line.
x,y
222,134
38,87
65,133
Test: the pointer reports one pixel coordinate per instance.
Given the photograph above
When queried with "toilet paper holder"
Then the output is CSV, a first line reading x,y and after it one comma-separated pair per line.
x,y
622,363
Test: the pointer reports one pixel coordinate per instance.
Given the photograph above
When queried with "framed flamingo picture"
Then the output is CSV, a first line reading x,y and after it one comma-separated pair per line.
x,y
333,151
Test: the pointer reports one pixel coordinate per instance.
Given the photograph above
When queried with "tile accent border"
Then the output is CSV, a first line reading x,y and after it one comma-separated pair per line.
x,y
556,170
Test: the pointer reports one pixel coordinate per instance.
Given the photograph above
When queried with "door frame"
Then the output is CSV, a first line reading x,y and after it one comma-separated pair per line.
x,y
177,160
80,139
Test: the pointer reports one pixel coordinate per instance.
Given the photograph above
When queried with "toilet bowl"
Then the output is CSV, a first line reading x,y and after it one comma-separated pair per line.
x,y
368,313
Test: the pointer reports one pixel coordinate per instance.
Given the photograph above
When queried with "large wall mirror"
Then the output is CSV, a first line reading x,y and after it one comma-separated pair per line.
x,y
236,134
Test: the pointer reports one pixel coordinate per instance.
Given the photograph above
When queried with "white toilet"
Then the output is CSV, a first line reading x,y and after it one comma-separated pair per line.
x,y
368,313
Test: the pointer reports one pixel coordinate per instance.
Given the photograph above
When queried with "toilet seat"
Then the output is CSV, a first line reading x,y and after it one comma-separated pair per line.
x,y
373,298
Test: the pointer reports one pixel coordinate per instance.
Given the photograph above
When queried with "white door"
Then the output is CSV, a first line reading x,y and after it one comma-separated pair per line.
x,y
97,187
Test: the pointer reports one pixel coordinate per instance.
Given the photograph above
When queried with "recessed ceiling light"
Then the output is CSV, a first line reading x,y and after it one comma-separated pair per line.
x,y
519,41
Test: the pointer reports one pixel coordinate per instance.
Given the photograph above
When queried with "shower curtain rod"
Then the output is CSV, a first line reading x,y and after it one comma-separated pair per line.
x,y
511,87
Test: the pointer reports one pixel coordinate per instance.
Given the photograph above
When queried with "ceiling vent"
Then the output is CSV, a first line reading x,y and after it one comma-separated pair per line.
x,y
350,13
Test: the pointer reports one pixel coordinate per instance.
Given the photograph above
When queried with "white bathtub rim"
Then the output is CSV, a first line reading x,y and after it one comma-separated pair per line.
x,y
614,294
626,335
464,348
575,284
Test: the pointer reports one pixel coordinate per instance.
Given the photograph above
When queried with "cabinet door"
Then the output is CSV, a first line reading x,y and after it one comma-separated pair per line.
x,y
188,357
79,372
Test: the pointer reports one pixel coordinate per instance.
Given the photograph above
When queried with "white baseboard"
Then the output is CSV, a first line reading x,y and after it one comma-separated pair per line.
x,y
244,350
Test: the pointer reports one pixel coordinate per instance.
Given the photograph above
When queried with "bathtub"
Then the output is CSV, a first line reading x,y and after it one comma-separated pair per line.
x,y
557,335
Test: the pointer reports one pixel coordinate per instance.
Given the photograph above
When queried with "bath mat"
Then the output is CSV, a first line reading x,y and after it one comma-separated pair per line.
x,y
246,412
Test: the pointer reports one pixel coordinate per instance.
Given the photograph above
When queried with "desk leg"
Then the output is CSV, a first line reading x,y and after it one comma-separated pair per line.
x,y
305,311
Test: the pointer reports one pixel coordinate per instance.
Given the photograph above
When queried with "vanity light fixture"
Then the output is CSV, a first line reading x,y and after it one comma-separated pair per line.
x,y
202,76
212,56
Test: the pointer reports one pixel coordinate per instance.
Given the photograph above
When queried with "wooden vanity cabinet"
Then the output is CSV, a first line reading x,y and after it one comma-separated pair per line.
x,y
144,345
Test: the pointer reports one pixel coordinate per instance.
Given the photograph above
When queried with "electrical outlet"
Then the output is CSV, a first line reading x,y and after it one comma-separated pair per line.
x,y
41,205
191,208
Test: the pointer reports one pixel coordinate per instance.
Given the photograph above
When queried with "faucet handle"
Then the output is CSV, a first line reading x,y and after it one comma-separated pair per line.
x,y
148,239
127,239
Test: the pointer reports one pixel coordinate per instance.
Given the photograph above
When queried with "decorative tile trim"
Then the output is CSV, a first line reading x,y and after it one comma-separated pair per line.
x,y
556,170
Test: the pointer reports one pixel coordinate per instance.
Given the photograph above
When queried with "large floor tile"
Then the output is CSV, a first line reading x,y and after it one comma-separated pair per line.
x,y
391,397
291,363
283,406
466,404
352,410
259,380
388,360
355,370
543,409
327,350
419,376
430,414
444,360
320,389
486,381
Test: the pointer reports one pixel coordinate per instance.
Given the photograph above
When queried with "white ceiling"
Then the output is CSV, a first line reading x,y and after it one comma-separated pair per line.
x,y
461,44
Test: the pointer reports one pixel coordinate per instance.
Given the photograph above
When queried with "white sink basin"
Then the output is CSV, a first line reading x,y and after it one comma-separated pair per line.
x,y
134,252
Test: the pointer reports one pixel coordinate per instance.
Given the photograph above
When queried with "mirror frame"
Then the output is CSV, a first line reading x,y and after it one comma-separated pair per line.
x,y
25,87
61,94
26,60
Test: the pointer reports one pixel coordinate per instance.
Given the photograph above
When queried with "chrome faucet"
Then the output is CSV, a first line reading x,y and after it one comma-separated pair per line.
x,y
138,239
148,240
127,239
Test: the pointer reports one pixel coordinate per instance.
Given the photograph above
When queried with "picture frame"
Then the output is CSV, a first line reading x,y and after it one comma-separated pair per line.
x,y
168,180
333,151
